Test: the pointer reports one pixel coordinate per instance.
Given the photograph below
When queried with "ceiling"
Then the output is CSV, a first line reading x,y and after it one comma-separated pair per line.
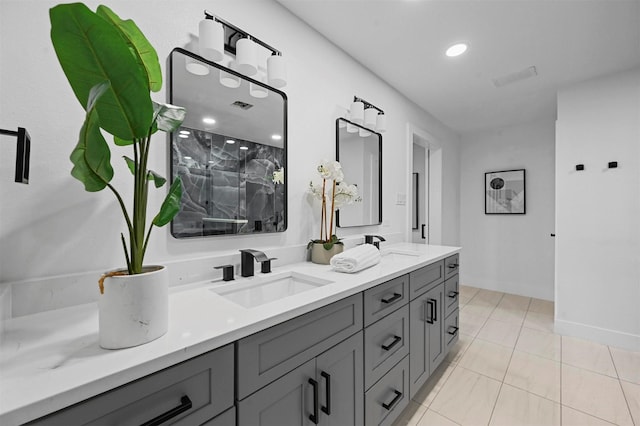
x,y
403,42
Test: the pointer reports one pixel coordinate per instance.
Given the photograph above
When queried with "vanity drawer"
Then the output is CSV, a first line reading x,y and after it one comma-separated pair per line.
x,y
385,343
385,298
425,278
204,384
451,329
384,402
451,265
451,293
267,355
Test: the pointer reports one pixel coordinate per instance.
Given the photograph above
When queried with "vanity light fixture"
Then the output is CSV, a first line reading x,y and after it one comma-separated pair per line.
x,y
258,91
229,80
208,120
276,137
367,115
244,47
23,153
211,39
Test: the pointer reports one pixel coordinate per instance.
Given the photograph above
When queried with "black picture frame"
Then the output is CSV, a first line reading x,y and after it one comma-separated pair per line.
x,y
505,192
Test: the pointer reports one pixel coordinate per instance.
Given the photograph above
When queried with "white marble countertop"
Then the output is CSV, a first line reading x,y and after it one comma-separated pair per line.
x,y
52,359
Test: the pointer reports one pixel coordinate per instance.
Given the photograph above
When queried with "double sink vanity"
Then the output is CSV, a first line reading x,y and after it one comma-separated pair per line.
x,y
301,345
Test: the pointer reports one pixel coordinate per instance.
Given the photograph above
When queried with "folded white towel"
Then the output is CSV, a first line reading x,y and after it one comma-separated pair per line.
x,y
356,259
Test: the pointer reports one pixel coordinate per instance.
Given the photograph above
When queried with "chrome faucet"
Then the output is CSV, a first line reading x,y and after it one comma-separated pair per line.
x,y
246,262
368,239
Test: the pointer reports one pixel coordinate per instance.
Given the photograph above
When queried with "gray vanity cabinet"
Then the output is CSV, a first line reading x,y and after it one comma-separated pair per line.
x,y
327,390
307,370
192,392
426,331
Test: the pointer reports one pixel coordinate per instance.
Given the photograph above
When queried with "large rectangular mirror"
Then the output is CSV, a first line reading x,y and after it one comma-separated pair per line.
x,y
233,139
359,151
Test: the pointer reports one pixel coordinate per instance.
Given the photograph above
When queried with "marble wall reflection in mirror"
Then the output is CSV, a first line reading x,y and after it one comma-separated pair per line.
x,y
359,151
233,138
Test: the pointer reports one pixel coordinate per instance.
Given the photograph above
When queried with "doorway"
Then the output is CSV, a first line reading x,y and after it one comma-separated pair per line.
x,y
425,186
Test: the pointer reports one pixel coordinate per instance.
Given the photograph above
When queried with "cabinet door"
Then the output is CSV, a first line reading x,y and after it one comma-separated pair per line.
x,y
340,375
435,321
286,401
418,344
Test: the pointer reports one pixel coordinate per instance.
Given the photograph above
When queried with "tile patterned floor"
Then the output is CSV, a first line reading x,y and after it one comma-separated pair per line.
x,y
509,368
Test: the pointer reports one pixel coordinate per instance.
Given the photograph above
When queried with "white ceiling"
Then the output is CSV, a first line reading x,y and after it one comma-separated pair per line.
x,y
403,42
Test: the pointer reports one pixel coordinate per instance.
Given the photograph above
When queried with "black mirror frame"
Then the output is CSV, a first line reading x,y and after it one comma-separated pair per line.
x,y
169,85
379,170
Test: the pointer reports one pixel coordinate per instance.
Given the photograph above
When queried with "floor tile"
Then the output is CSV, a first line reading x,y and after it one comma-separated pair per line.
x,y
500,332
470,324
430,389
542,306
539,321
486,358
456,352
411,415
627,364
431,418
467,398
478,310
595,394
515,316
540,376
517,407
467,291
540,343
632,395
571,417
588,355
511,301
488,296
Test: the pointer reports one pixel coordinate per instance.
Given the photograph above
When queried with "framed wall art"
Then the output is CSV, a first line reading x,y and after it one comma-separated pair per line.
x,y
504,192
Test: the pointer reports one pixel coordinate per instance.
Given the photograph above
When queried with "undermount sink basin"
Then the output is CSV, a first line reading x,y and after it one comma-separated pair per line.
x,y
255,291
399,253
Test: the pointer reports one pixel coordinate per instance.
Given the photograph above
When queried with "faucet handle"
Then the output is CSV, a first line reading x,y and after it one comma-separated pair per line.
x,y
227,272
265,265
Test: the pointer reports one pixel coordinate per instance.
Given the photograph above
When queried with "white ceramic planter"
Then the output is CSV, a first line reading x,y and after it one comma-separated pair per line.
x,y
134,309
322,256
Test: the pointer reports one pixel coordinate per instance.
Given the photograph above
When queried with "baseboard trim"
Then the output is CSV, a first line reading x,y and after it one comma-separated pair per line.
x,y
601,335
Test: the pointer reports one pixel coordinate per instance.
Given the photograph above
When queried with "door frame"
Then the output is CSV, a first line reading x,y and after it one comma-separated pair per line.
x,y
421,137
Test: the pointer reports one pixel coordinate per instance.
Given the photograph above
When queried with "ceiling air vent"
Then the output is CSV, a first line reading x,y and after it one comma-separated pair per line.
x,y
242,105
516,76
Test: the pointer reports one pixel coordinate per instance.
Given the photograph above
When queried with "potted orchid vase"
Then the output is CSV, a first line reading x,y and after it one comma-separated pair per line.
x,y
332,192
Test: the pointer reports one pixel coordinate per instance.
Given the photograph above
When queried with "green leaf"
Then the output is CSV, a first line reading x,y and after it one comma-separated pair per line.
x,y
131,164
122,142
168,117
91,50
171,205
328,245
146,54
91,157
158,180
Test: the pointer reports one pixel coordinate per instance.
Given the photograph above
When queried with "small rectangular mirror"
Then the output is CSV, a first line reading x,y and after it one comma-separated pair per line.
x,y
232,140
359,151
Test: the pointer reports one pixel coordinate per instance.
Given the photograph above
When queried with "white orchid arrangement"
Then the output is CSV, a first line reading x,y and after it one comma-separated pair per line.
x,y
278,176
333,193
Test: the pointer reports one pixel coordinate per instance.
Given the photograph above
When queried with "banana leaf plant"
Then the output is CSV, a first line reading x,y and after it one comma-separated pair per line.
x,y
112,68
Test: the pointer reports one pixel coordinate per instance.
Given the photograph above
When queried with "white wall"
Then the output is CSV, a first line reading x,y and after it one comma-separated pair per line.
x,y
598,210
52,226
510,253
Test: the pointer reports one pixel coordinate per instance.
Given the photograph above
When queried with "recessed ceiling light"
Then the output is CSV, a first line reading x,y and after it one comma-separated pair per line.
x,y
244,148
208,120
276,137
187,158
230,141
457,49
183,136
185,132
